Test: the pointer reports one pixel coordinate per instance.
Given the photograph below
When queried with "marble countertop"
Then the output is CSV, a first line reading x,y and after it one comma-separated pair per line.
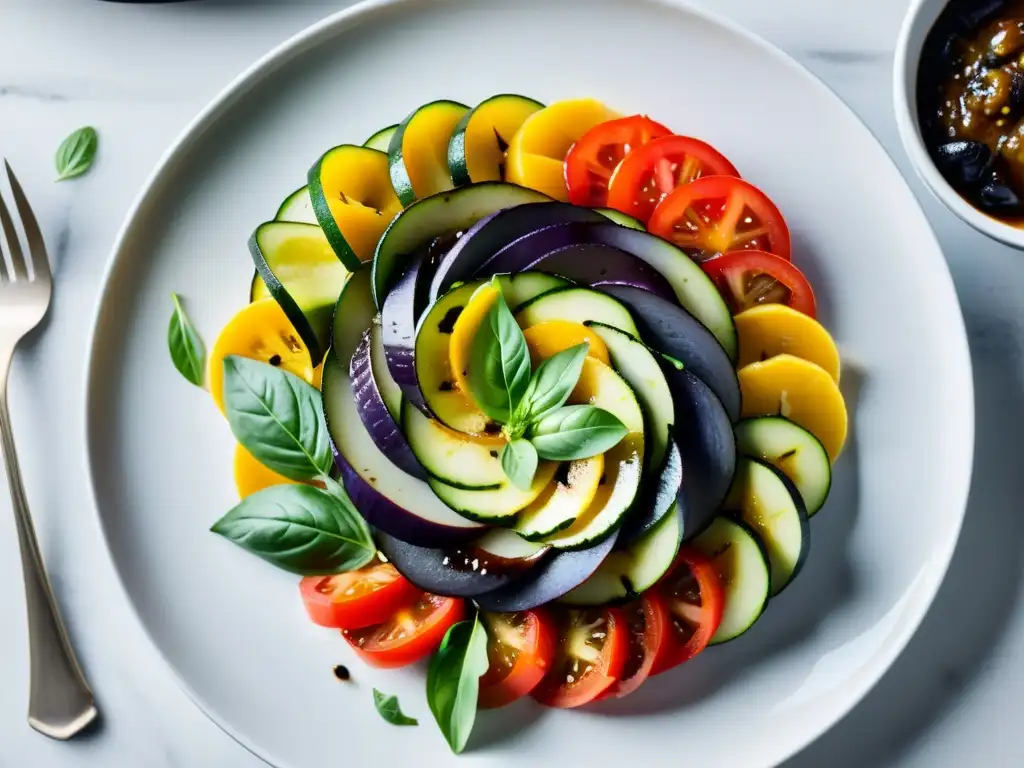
x,y
140,73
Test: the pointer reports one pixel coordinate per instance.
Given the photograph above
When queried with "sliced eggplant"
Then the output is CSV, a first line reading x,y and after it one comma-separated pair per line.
x,y
597,265
381,139
659,496
630,570
398,324
353,200
446,216
297,207
418,150
791,449
673,331
476,150
741,562
767,501
298,267
578,305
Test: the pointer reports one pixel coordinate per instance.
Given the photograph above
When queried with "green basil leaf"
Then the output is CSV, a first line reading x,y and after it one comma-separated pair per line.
x,y
76,153
584,432
188,353
519,462
553,421
390,710
553,382
278,417
499,364
453,680
301,529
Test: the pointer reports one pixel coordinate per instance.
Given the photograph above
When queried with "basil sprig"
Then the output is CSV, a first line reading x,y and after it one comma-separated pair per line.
x,y
453,680
390,710
530,408
188,353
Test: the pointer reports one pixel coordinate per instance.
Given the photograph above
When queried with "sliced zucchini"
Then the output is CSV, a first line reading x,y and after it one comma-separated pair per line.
x,y
791,449
564,500
381,139
257,288
476,150
741,562
389,390
523,287
442,215
622,219
353,201
578,305
302,273
297,207
456,459
640,368
769,503
493,505
628,571
418,151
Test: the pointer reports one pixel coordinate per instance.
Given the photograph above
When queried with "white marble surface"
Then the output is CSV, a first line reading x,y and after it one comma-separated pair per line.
x,y
139,73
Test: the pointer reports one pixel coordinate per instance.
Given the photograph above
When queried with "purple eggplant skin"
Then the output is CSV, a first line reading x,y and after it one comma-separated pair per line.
x,y
493,232
398,324
592,264
375,416
446,571
657,500
387,517
671,330
707,446
552,578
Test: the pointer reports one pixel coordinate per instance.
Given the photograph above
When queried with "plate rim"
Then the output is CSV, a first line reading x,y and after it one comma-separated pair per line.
x,y
366,11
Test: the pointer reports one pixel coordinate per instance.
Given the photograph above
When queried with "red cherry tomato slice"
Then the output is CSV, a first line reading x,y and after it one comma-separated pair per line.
x,y
649,625
749,278
356,599
409,634
649,173
520,648
592,160
695,599
716,214
592,650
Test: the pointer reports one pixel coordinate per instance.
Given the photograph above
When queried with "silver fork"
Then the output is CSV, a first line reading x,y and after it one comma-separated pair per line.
x,y
60,701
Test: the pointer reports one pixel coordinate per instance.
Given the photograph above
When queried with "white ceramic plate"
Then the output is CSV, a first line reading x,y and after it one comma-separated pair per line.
x,y
233,628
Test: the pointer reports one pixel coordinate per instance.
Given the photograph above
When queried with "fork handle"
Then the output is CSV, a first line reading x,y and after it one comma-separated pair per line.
x,y
60,700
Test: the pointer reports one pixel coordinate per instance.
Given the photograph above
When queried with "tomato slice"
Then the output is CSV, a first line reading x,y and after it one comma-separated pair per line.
x,y
409,634
592,160
649,625
357,599
521,648
649,173
591,654
715,214
695,599
750,278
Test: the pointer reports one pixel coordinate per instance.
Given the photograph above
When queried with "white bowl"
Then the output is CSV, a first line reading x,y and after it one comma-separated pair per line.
x,y
918,23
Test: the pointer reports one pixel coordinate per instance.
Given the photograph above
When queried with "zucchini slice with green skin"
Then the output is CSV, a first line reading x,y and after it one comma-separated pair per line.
x,y
353,201
476,151
418,151
302,273
578,305
456,460
622,219
628,571
768,502
791,449
439,216
297,207
499,505
381,139
741,562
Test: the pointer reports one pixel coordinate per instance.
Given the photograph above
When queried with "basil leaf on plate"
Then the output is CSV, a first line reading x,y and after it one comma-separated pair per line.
x,y
519,462
390,710
300,528
278,417
583,432
188,353
499,364
76,153
453,680
553,382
